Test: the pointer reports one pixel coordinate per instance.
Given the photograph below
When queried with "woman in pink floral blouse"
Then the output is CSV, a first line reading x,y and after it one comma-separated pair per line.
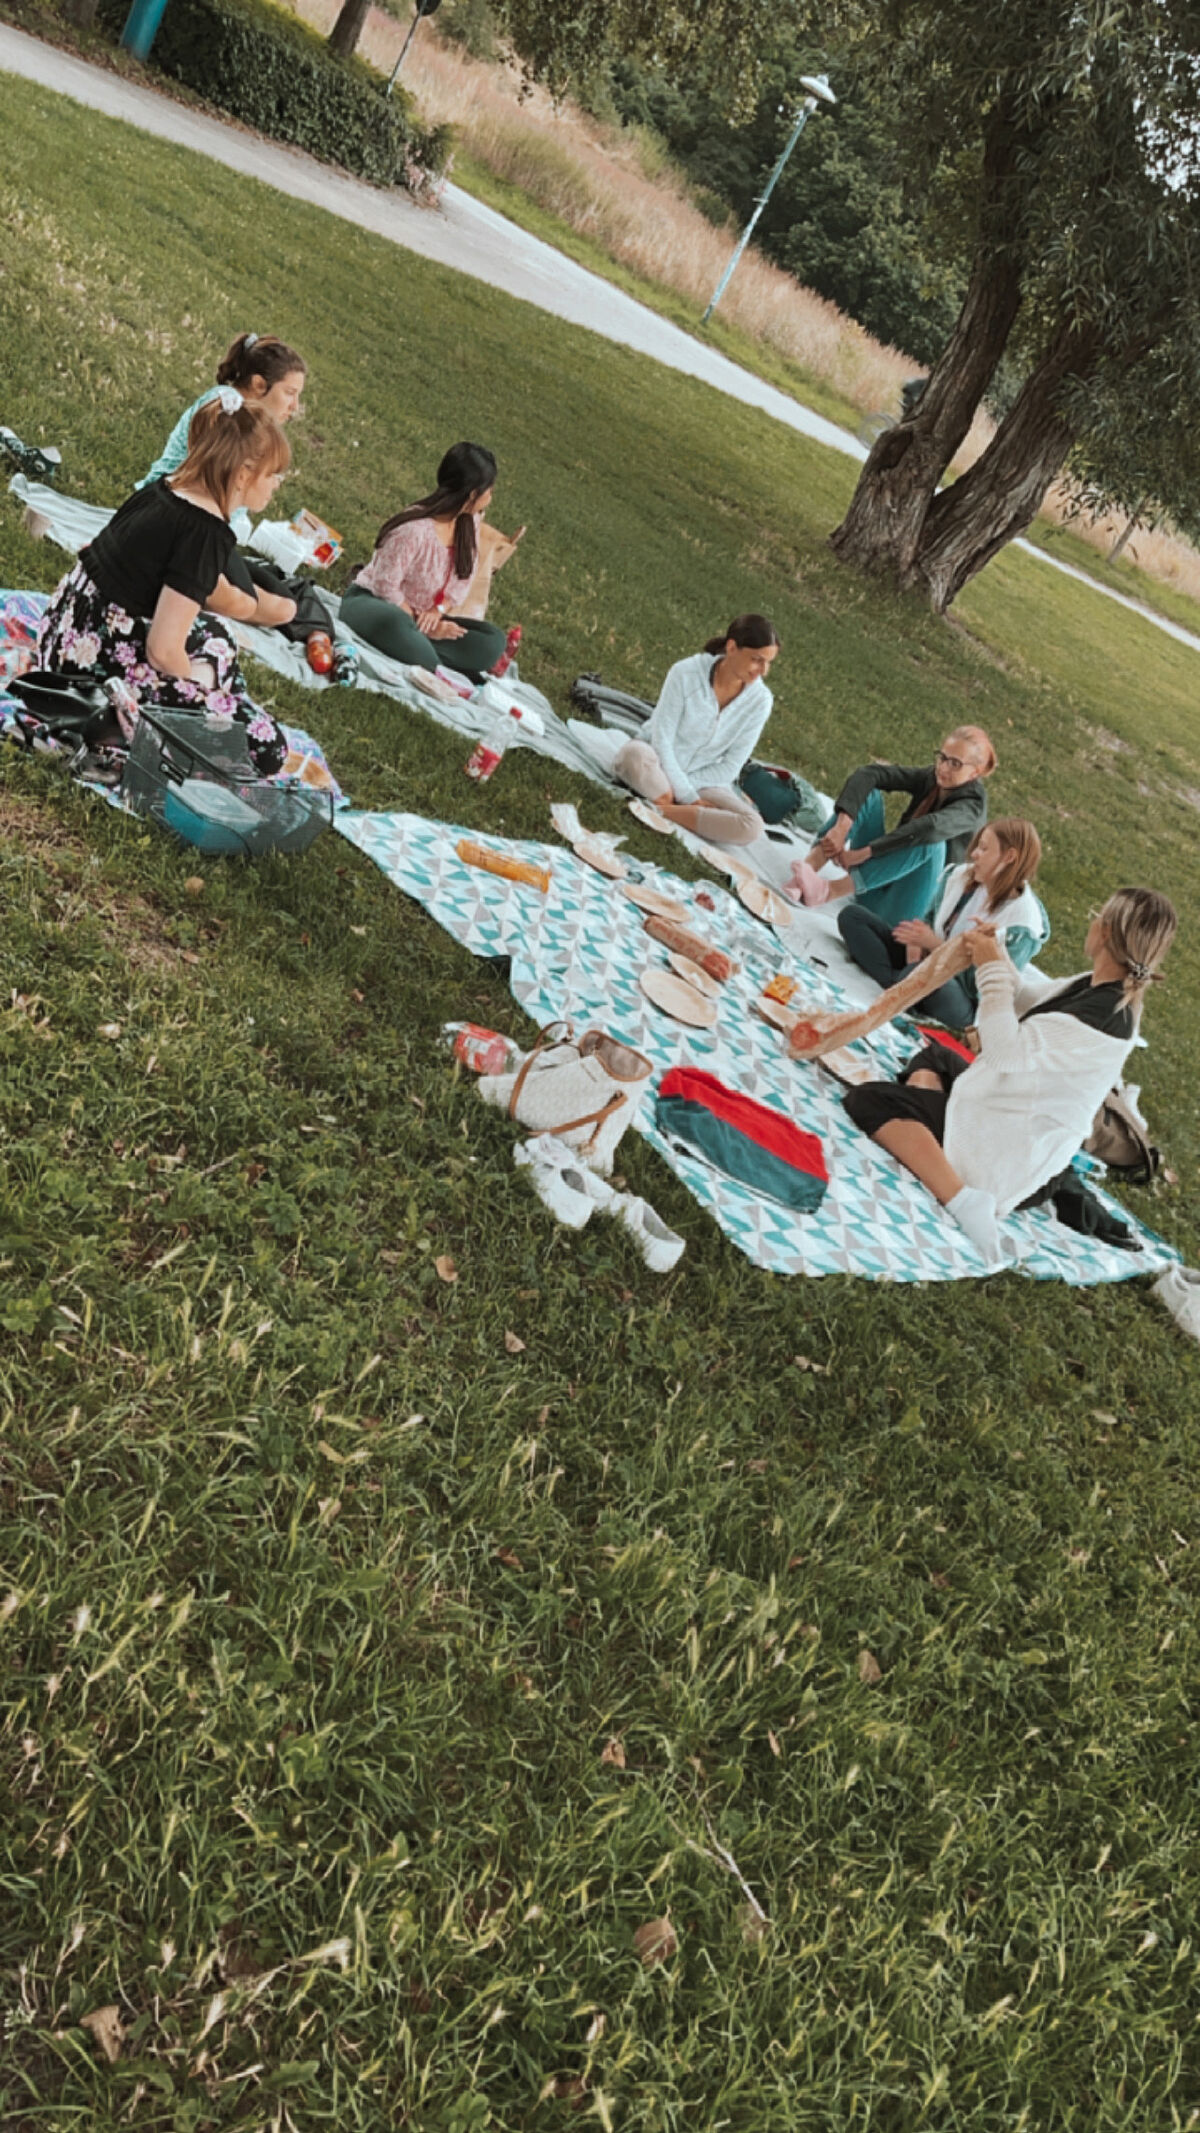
x,y
403,602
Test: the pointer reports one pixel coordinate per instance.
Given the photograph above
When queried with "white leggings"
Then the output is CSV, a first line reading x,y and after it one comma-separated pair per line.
x,y
721,815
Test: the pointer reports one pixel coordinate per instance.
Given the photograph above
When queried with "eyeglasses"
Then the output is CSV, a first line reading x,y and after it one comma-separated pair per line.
x,y
951,762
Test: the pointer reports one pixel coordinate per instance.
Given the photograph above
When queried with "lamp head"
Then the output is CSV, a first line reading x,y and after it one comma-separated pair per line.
x,y
817,85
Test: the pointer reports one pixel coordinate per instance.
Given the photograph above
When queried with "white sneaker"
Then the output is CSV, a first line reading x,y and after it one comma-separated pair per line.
x,y
1179,1290
563,1192
659,1246
550,1151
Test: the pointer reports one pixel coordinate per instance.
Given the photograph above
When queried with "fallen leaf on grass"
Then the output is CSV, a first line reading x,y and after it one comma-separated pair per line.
x,y
514,1344
613,1752
564,2088
805,1362
869,1669
773,1742
111,1030
445,1268
510,1559
194,885
105,2027
596,2029
655,1942
939,1578
754,1923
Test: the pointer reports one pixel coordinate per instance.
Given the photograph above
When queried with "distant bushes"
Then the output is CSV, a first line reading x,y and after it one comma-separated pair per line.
x,y
264,67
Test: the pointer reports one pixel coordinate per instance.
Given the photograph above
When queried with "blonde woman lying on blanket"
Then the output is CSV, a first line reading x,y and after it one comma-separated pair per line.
x,y
985,1134
702,733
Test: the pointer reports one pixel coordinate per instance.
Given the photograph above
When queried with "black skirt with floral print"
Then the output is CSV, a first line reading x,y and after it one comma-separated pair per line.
x,y
82,634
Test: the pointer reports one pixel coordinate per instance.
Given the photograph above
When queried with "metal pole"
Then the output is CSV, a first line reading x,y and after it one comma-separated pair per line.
x,y
141,26
809,104
412,31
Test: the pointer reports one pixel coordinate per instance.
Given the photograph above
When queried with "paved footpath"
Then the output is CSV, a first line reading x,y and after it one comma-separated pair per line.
x,y
463,234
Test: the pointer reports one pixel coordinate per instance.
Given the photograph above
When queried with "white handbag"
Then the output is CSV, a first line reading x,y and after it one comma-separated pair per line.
x,y
585,1090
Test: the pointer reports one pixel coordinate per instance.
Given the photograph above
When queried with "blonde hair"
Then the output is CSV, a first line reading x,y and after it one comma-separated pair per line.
x,y
1022,847
221,444
979,744
1139,925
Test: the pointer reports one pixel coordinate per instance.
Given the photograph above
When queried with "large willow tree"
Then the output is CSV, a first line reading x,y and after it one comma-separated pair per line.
x,y
1056,144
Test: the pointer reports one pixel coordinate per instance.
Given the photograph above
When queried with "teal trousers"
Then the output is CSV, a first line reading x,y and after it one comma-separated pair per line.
x,y
898,884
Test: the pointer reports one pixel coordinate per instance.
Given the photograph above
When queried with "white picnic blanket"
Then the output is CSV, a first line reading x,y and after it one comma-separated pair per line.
x,y
578,951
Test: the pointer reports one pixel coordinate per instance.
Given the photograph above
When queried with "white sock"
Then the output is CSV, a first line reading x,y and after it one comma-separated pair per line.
x,y
975,1212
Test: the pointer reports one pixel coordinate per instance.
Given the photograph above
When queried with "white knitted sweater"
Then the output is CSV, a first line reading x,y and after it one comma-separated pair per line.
x,y
1026,1107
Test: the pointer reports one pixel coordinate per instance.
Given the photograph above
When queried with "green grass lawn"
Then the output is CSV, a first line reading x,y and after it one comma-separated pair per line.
x,y
324,1603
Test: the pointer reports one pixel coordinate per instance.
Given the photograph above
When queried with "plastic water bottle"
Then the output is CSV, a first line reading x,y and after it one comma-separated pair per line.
x,y
487,755
511,646
484,1051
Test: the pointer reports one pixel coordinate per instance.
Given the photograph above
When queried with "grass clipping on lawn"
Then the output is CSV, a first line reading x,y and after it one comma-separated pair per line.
x,y
328,1582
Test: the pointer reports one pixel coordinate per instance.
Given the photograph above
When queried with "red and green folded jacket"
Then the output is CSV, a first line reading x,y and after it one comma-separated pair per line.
x,y
749,1141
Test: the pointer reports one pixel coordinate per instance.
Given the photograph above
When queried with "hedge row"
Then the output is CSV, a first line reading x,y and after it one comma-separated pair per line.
x,y
260,64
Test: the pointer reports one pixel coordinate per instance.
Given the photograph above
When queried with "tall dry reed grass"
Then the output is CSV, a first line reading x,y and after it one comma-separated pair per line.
x,y
615,186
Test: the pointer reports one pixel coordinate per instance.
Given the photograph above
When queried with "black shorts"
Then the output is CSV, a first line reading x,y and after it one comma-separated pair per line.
x,y
879,1103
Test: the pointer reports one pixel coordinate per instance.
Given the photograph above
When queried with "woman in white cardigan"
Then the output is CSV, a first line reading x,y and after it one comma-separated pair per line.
x,y
702,733
984,1134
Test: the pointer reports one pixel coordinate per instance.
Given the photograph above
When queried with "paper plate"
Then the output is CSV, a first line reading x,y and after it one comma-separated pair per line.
x,y
595,853
676,997
693,975
774,1012
642,811
847,1065
653,901
724,861
764,902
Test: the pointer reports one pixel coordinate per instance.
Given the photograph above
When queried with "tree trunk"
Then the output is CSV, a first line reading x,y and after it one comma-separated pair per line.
x,y
82,13
1123,539
968,523
349,26
882,528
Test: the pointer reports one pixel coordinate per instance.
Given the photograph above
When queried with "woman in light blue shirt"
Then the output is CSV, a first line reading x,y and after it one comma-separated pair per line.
x,y
267,374
703,731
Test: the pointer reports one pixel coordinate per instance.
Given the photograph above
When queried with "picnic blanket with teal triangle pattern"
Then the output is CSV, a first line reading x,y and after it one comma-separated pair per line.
x,y
579,951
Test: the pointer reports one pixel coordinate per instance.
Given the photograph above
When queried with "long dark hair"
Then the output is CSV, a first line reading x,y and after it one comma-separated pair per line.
x,y
466,471
258,355
750,633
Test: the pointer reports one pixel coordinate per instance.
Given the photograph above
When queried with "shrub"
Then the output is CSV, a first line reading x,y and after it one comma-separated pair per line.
x,y
264,67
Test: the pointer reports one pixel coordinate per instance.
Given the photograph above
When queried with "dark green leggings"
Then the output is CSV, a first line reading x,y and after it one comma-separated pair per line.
x,y
393,631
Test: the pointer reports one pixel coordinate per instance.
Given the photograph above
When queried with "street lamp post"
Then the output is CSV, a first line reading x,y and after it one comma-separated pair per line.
x,y
423,7
819,91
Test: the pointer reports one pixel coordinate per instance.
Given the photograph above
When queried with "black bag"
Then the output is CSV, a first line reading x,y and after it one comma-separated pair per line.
x,y
73,712
1076,1207
613,707
312,618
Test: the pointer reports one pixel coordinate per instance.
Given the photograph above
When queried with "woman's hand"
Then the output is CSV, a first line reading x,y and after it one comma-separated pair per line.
x,y
427,619
828,846
914,933
983,946
847,861
444,628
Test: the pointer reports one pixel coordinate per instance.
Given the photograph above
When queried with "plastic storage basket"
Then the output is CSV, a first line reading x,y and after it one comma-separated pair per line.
x,y
193,774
